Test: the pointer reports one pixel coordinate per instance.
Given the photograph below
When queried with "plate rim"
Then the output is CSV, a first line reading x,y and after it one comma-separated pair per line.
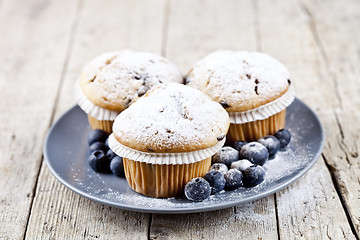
x,y
204,208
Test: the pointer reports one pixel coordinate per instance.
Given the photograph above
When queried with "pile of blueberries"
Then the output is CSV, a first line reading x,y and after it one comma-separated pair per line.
x,y
232,167
102,159
237,166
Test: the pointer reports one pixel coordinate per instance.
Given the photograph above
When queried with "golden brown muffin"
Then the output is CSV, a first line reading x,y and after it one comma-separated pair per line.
x,y
113,81
253,87
168,137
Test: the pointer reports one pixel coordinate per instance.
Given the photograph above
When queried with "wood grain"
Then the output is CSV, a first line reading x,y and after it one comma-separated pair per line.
x,y
58,213
203,29
254,220
340,46
312,201
30,69
45,44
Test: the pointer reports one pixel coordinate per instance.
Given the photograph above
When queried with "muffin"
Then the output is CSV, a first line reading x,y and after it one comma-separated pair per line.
x,y
168,138
254,88
113,81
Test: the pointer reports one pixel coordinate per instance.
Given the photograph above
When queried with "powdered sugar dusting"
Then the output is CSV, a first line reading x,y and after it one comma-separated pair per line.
x,y
106,186
288,165
243,80
175,118
121,77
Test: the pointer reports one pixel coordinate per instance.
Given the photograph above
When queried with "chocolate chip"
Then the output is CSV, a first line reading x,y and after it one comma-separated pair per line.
x,y
150,149
224,104
248,76
289,81
221,137
186,81
127,104
256,90
256,81
142,90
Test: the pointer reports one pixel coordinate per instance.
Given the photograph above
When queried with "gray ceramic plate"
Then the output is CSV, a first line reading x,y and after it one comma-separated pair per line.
x,y
65,152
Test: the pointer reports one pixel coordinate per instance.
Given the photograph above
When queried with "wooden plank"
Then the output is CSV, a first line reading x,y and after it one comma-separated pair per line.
x,y
197,28
336,24
254,220
58,213
31,59
310,208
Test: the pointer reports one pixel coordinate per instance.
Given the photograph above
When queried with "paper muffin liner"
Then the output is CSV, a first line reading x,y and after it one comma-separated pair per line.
x,y
163,158
161,180
91,109
101,124
264,111
252,131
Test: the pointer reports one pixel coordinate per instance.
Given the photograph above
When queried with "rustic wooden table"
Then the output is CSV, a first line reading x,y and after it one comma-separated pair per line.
x,y
45,44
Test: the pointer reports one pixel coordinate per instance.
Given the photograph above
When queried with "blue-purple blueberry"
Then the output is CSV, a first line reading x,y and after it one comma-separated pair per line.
x,y
233,179
255,152
216,180
219,167
117,167
239,144
98,146
253,175
107,142
110,154
271,143
284,137
99,162
241,165
97,135
197,190
226,155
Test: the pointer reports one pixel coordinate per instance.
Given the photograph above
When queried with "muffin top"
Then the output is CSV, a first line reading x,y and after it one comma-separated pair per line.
x,y
172,119
114,80
239,80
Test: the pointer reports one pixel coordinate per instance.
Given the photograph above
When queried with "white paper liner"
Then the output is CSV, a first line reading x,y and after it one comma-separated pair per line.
x,y
91,109
264,111
163,158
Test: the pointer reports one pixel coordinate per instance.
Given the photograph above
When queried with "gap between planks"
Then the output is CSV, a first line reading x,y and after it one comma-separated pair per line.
x,y
73,31
338,191
324,56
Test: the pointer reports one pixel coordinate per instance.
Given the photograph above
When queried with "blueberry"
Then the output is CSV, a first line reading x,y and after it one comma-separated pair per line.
x,y
271,143
253,176
97,135
99,162
216,181
233,179
219,167
107,142
239,144
198,189
98,146
284,137
117,167
241,165
255,153
227,155
110,154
